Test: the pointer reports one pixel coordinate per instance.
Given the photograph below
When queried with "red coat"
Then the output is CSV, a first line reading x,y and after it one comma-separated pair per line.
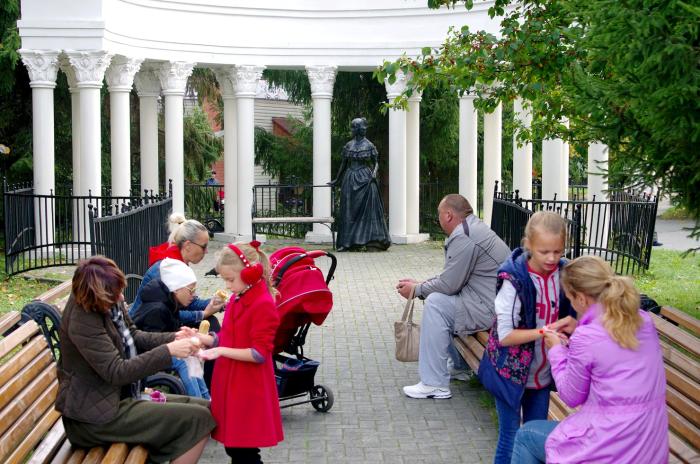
x,y
162,251
244,399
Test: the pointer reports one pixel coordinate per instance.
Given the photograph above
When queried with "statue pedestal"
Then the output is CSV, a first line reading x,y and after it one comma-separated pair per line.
x,y
224,237
409,238
318,237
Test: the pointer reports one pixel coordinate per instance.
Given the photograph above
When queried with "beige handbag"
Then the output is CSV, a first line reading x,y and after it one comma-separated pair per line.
x,y
407,334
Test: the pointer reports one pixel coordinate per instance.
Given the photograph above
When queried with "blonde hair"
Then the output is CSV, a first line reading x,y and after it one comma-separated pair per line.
x,y
547,221
228,258
183,230
592,276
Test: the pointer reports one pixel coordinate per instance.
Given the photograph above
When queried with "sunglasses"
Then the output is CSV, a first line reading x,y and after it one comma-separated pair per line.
x,y
191,290
203,247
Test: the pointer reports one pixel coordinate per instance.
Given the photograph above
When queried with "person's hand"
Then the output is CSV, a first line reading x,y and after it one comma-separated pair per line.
x,y
566,325
181,348
185,333
552,338
405,287
215,305
208,355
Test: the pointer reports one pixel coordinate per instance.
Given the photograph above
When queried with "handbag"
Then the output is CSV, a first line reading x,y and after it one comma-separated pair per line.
x,y
505,389
407,334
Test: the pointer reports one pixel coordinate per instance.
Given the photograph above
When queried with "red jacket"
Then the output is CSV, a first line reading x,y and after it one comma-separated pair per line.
x,y
244,399
162,251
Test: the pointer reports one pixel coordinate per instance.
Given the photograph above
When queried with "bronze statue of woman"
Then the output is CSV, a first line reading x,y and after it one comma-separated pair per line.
x,y
361,220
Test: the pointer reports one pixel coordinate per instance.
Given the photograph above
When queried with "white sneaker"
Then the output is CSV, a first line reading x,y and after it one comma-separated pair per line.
x,y
420,391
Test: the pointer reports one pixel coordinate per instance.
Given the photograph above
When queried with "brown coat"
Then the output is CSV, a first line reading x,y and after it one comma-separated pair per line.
x,y
93,368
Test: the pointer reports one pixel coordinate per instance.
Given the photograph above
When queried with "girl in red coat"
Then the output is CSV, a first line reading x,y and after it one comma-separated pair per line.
x,y
244,399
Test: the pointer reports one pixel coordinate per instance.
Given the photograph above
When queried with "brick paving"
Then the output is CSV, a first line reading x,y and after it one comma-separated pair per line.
x,y
371,420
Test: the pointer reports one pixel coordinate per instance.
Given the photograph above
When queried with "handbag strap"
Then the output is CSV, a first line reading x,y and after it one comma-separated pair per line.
x,y
408,309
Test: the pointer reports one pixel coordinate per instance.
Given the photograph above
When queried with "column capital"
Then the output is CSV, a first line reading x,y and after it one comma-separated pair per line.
x,y
416,97
246,80
322,79
399,85
226,77
42,66
64,65
146,80
89,67
173,76
468,94
121,72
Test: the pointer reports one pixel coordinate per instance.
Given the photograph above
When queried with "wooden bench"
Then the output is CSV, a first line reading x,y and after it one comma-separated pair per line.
x,y
679,334
30,429
326,221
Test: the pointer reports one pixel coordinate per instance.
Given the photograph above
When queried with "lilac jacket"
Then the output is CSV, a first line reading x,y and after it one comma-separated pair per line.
x,y
622,394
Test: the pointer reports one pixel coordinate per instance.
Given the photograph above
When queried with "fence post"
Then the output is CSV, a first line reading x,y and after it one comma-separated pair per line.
x,y
579,230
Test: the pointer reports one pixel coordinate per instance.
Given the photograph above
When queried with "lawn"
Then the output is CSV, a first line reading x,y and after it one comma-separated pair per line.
x,y
17,291
673,280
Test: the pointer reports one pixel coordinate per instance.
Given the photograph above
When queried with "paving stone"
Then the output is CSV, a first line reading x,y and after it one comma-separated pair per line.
x,y
371,420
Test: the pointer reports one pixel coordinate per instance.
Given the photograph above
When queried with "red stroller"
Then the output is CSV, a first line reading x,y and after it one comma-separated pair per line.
x,y
304,298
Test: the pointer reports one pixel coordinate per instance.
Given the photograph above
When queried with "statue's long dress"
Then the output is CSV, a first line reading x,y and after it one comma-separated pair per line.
x,y
361,219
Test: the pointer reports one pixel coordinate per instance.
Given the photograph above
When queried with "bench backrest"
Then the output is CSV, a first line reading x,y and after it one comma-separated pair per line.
x,y
28,388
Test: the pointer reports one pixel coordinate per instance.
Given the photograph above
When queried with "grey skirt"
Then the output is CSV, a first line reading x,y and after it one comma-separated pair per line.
x,y
166,430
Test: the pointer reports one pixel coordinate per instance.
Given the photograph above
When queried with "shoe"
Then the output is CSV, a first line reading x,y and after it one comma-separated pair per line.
x,y
458,374
420,391
656,243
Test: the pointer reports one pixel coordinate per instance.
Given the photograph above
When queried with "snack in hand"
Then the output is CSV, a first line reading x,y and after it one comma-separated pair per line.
x,y
204,327
222,295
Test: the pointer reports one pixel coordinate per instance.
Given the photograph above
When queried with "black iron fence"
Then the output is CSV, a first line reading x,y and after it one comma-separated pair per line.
x,y
205,203
620,230
54,229
126,237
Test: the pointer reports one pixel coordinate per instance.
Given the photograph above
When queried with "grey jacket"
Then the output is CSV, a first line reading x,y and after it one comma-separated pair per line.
x,y
473,254
93,368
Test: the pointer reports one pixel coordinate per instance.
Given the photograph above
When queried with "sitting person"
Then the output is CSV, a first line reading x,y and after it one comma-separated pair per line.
x,y
103,358
162,299
460,299
612,368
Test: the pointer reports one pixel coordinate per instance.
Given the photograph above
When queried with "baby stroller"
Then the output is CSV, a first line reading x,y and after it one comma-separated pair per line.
x,y
304,298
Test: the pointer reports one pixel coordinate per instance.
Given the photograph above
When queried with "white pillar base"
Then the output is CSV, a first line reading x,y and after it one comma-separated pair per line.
x,y
408,239
319,236
224,237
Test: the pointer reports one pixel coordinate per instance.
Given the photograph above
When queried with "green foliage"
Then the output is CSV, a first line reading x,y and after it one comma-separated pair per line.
x,y
202,147
289,159
624,73
673,279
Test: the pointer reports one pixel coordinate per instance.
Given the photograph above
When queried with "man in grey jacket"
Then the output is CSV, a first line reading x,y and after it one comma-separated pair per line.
x,y
460,299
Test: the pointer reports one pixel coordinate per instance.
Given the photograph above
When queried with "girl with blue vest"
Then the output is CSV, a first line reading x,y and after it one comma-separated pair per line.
x,y
514,367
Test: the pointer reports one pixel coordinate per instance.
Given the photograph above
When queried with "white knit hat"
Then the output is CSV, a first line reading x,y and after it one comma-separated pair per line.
x,y
175,274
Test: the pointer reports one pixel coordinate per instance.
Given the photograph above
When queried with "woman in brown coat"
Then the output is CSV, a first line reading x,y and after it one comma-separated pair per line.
x,y
103,358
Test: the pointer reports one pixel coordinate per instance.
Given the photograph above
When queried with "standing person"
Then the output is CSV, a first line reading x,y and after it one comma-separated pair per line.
x,y
361,218
243,390
460,299
103,358
514,367
612,367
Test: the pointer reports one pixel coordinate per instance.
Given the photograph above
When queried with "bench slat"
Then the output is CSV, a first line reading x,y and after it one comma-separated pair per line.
x,y
94,456
684,428
21,359
300,220
138,455
681,361
676,335
681,451
466,353
681,404
116,454
24,377
8,320
51,446
64,453
682,319
50,296
76,456
34,436
682,383
17,337
46,380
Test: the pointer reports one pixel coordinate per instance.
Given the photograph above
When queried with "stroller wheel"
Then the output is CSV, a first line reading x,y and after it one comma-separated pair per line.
x,y
325,398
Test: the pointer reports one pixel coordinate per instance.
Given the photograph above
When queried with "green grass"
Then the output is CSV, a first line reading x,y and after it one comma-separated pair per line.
x,y
675,212
673,280
17,291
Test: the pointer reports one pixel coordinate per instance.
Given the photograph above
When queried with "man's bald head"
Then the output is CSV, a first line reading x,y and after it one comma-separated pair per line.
x,y
459,205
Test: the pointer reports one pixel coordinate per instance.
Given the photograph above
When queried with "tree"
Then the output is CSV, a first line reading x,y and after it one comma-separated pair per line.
x,y
623,73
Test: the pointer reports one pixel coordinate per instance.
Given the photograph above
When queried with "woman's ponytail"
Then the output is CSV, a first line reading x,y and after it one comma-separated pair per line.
x,y
590,275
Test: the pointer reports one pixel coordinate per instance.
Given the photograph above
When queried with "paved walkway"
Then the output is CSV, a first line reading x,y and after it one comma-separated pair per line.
x,y
372,421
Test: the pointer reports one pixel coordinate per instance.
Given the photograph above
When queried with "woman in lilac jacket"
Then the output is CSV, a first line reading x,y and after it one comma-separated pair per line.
x,y
612,367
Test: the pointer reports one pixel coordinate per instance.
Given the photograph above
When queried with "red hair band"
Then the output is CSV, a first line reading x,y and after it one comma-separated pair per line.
x,y
251,273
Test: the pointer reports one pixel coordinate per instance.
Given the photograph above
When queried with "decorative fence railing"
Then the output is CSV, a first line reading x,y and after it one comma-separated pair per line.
x,y
293,200
620,230
206,204
126,237
54,230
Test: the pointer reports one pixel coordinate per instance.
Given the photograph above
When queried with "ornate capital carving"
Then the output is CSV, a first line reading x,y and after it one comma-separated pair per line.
x,y
89,67
226,76
469,94
64,65
416,97
42,66
173,76
146,80
399,85
120,74
322,79
246,81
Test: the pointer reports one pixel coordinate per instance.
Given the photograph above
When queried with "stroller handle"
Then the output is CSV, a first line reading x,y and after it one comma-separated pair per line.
x,y
309,254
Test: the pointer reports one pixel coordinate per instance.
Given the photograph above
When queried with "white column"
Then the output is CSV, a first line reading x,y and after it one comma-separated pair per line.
x,y
321,79
246,83
522,155
552,150
226,77
173,79
148,90
89,68
397,162
468,141
75,118
492,158
597,172
564,167
413,234
42,66
120,78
